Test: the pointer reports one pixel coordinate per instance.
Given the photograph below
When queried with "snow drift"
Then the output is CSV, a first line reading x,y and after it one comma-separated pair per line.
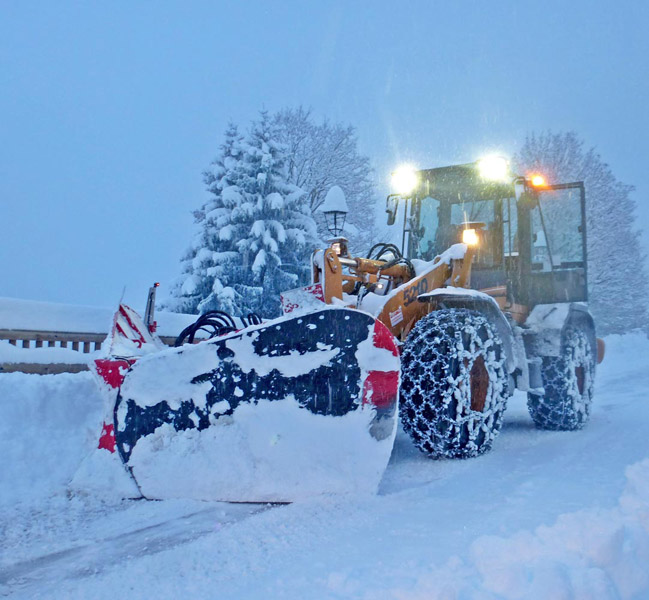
x,y
47,424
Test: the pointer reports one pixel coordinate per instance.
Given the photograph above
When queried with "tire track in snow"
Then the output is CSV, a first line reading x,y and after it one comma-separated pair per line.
x,y
90,559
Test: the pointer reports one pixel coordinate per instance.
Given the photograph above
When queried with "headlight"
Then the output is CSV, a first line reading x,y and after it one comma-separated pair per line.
x,y
469,237
494,168
404,180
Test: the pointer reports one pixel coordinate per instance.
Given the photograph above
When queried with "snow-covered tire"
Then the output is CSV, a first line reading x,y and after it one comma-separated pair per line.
x,y
568,381
453,384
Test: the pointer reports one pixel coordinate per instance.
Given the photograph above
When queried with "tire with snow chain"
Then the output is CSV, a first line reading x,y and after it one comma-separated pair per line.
x,y
453,384
568,381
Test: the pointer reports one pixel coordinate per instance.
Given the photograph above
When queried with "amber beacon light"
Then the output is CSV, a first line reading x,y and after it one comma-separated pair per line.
x,y
538,181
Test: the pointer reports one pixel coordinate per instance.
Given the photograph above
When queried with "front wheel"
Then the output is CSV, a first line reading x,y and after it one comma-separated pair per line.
x,y
568,381
453,384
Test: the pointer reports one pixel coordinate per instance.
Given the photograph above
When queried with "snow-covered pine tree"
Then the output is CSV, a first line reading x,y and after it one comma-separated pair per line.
x,y
322,155
281,232
209,266
617,276
255,233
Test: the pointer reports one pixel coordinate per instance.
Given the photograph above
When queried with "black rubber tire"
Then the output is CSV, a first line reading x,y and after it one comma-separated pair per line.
x,y
443,356
568,381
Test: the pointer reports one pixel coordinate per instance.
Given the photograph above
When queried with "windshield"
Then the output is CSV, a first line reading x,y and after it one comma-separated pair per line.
x,y
426,242
439,225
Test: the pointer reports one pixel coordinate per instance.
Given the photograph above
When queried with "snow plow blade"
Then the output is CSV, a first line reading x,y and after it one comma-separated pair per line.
x,y
295,407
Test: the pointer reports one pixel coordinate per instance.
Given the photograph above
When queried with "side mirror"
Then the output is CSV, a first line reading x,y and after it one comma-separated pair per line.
x,y
391,207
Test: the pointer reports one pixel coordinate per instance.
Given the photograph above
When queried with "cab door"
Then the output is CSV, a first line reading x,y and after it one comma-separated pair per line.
x,y
556,252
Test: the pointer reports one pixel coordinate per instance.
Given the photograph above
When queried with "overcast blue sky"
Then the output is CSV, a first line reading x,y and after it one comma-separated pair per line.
x,y
109,111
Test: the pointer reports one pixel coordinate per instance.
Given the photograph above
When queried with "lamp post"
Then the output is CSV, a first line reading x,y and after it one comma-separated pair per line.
x,y
335,211
335,221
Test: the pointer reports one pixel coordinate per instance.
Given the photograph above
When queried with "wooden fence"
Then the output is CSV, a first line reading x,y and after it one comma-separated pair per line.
x,y
83,343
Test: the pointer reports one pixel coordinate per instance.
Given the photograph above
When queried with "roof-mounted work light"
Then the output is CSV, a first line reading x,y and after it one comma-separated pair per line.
x,y
405,180
494,168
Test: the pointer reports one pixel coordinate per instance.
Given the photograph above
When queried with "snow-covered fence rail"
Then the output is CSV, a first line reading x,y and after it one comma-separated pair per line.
x,y
43,337
80,342
80,348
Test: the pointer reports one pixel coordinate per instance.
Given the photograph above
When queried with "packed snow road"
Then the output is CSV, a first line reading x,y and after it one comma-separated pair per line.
x,y
544,515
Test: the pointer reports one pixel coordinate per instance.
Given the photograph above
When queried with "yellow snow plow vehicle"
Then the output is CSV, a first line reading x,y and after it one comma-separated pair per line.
x,y
487,294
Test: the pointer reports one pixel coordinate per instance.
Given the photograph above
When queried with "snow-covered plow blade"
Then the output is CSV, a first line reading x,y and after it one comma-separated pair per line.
x,y
291,408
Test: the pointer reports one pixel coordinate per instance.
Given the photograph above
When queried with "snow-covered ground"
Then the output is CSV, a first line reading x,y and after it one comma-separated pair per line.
x,y
543,515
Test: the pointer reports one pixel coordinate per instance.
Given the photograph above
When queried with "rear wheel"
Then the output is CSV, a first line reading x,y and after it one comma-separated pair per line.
x,y
453,384
568,381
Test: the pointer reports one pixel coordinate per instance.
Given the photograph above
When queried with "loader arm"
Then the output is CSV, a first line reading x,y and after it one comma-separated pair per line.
x,y
400,311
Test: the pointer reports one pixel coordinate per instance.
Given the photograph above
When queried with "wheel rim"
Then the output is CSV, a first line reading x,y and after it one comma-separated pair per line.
x,y
479,384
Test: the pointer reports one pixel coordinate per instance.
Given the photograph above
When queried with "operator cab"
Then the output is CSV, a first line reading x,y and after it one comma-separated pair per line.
x,y
530,246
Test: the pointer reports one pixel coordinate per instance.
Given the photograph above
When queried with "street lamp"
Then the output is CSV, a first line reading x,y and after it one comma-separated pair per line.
x,y
335,210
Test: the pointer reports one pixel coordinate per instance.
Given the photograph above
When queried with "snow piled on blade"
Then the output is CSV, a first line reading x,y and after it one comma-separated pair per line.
x,y
304,299
289,366
271,451
168,374
260,415
371,358
102,473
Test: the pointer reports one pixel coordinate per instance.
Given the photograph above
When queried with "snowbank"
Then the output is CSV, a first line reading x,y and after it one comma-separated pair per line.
x,y
47,424
623,352
600,554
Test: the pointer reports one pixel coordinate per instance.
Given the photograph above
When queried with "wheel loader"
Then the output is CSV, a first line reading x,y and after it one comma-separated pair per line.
x,y
486,294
